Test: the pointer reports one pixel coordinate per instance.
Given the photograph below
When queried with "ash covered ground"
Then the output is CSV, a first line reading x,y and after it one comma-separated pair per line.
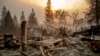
x,y
72,47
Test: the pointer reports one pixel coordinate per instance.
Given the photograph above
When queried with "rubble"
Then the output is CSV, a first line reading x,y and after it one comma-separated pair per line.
x,y
72,46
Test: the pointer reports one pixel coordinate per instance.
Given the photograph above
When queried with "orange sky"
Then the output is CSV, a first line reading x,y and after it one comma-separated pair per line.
x,y
59,4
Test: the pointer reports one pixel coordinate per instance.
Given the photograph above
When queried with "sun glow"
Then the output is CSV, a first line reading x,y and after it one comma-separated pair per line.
x,y
67,4
59,4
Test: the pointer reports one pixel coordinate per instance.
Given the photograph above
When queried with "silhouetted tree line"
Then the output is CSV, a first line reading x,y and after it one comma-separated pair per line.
x,y
10,24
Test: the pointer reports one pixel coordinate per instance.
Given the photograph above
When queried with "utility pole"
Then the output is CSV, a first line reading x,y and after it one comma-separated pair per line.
x,y
24,36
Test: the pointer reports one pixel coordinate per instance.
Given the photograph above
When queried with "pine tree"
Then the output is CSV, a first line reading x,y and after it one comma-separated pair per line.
x,y
9,26
4,12
49,12
15,21
32,22
22,17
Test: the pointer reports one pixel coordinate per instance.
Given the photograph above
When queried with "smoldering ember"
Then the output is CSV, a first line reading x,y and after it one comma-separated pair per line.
x,y
74,31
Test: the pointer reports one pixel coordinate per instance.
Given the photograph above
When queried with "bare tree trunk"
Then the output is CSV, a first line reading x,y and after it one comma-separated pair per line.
x,y
97,18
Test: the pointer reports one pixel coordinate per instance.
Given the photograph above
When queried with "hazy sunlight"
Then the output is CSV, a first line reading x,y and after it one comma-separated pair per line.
x,y
59,4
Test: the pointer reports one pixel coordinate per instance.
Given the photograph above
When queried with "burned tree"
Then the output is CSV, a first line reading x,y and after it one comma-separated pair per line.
x,y
74,16
93,15
4,12
60,16
97,12
48,13
22,17
32,21
9,27
15,21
